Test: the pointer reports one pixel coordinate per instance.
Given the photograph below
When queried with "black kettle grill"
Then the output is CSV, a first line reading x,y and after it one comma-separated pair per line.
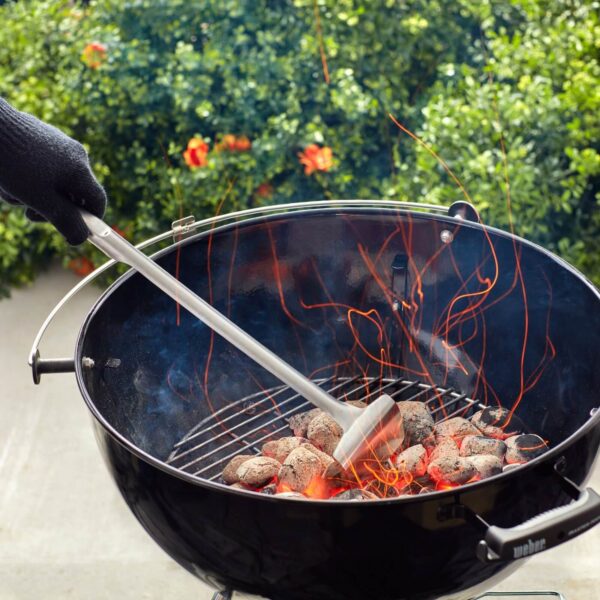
x,y
468,316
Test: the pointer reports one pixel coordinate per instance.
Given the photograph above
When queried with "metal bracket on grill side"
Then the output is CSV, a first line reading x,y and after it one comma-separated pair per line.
x,y
464,210
183,228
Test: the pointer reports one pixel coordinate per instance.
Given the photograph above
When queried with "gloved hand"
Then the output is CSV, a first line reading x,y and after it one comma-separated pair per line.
x,y
48,172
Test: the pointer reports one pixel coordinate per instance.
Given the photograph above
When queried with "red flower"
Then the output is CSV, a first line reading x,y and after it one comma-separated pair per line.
x,y
242,144
195,155
264,190
315,158
94,54
81,266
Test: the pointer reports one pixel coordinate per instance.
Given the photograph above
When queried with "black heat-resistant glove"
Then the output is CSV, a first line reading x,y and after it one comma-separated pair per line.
x,y
48,172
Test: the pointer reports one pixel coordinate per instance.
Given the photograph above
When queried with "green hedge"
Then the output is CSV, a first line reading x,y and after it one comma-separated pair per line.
x,y
168,71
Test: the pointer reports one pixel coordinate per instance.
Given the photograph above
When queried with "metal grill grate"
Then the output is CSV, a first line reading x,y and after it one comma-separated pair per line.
x,y
245,425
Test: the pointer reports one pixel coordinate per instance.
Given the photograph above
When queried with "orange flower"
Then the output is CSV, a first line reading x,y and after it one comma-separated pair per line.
x,y
195,155
94,54
227,142
233,143
315,158
242,144
81,266
264,190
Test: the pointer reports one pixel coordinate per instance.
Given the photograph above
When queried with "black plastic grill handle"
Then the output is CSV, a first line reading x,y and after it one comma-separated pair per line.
x,y
542,532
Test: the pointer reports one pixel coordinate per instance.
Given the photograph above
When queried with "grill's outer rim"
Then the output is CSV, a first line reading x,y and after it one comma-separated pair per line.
x,y
592,422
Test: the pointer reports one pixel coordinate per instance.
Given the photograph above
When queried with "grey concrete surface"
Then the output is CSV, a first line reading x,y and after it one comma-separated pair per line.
x,y
64,530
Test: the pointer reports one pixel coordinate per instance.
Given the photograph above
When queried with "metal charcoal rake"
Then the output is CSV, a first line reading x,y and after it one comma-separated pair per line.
x,y
365,430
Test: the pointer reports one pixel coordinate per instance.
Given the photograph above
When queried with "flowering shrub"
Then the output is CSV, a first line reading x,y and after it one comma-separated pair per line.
x,y
137,80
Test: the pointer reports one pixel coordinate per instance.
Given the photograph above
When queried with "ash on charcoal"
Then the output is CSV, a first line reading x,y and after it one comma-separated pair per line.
x,y
494,421
447,447
279,449
299,423
355,494
258,471
412,461
229,474
479,444
451,469
299,469
324,433
523,448
456,428
335,471
486,465
326,460
418,422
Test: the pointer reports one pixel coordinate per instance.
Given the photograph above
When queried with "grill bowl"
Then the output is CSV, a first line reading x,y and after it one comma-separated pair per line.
x,y
154,381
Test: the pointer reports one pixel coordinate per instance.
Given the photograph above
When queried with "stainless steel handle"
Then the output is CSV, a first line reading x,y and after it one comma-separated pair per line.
x,y
179,229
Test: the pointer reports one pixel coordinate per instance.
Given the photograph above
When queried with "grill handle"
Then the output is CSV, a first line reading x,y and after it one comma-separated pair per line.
x,y
39,366
541,532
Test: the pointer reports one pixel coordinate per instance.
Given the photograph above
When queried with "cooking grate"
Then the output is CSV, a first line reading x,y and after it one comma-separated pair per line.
x,y
242,427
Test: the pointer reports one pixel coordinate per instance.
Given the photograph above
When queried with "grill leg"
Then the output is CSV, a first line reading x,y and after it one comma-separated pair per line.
x,y
222,595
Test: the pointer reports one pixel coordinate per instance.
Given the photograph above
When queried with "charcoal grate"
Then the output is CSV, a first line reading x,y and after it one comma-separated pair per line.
x,y
242,427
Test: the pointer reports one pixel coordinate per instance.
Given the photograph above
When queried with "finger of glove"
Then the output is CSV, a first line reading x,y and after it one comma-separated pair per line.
x,y
35,216
84,190
65,217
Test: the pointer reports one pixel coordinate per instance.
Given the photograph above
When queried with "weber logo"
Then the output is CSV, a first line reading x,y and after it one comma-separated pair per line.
x,y
530,547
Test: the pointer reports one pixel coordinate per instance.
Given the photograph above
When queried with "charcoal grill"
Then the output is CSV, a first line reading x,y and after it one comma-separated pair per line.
x,y
243,426
160,387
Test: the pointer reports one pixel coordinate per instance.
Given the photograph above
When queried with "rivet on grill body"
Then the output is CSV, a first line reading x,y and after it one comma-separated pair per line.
x,y
446,236
87,362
